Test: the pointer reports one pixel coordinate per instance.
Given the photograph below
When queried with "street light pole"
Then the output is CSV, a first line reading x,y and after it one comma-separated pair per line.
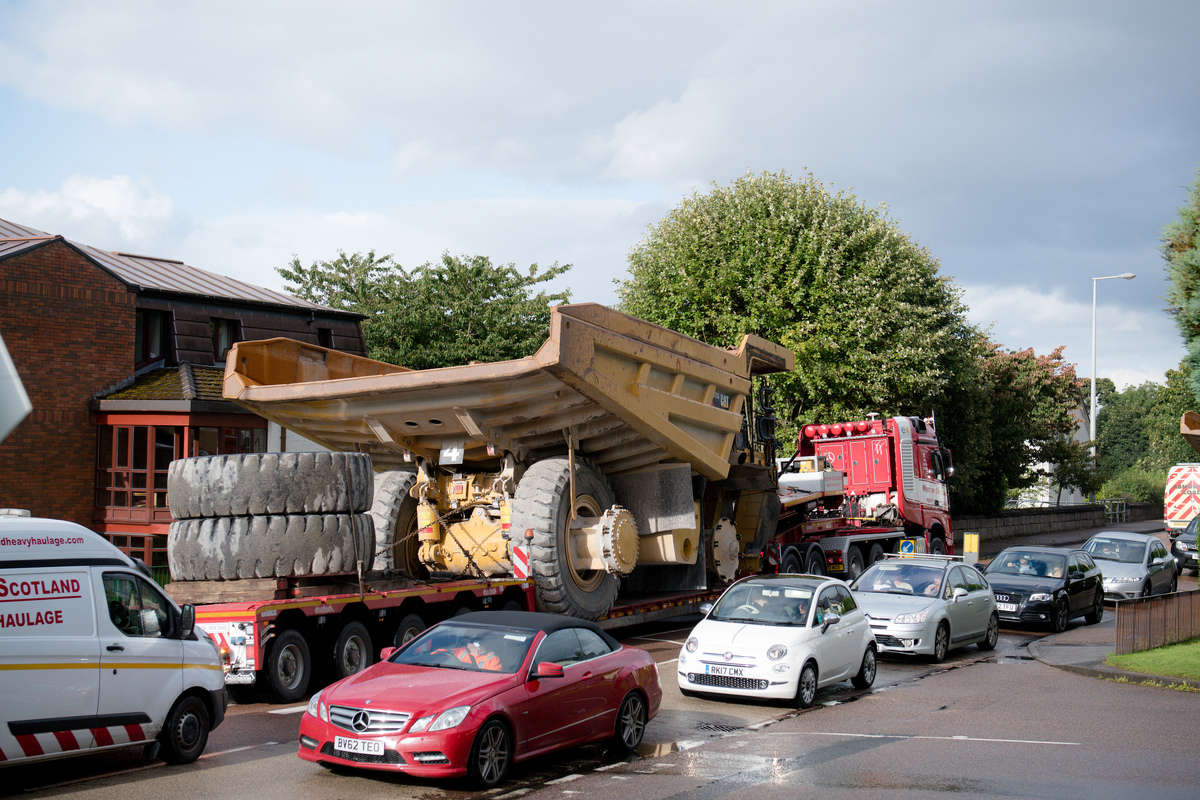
x,y
1092,412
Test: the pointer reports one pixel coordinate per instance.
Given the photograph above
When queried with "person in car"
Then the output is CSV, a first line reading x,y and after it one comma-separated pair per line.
x,y
478,655
1025,567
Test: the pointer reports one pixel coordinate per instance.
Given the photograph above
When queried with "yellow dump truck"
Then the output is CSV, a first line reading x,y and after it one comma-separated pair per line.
x,y
620,452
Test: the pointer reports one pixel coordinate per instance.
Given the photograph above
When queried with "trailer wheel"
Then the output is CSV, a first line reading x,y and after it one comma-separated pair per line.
x,y
394,513
260,484
298,545
792,563
542,504
407,630
288,666
352,651
816,560
854,563
937,547
876,554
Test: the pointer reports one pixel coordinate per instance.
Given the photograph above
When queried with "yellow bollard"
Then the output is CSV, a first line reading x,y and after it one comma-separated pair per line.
x,y
971,548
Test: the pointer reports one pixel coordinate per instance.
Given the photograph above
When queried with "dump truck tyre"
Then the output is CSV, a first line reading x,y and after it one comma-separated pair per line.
x,y
542,504
394,513
300,545
261,484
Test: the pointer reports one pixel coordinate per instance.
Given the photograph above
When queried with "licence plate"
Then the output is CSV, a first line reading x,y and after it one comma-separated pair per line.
x,y
732,672
1006,606
364,746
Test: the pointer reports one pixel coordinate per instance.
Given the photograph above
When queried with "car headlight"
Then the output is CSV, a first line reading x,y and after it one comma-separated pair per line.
x,y
912,619
776,652
691,644
1111,581
1181,546
1041,597
318,709
442,721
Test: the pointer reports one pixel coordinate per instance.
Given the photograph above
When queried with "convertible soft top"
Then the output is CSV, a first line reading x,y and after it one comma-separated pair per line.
x,y
530,620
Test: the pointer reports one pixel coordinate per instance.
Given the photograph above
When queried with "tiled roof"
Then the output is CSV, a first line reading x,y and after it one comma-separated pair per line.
x,y
159,274
185,382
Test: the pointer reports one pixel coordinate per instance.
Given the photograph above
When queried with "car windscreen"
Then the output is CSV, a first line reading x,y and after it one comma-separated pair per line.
x,y
900,578
1125,551
1023,562
467,647
764,603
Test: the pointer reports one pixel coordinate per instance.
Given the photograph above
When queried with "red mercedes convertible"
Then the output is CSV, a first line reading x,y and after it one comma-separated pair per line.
x,y
477,693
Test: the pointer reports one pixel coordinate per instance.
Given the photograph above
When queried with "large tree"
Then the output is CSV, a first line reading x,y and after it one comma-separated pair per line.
x,y
874,324
461,309
1181,248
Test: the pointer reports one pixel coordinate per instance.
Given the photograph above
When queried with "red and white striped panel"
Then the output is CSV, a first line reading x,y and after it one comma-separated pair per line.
x,y
1182,501
520,562
42,744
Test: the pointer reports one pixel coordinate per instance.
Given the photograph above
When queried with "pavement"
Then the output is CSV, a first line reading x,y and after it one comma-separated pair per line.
x,y
1084,649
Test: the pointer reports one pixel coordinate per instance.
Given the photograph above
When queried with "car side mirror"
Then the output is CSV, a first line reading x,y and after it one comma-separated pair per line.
x,y
548,669
958,592
1158,560
831,618
387,653
187,621
706,608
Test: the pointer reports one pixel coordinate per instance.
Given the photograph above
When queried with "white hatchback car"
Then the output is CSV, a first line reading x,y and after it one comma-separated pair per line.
x,y
780,637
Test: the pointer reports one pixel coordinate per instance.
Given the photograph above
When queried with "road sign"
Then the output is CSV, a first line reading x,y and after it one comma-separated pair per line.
x,y
907,547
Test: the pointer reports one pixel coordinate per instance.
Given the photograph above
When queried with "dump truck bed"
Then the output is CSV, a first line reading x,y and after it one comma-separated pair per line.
x,y
631,394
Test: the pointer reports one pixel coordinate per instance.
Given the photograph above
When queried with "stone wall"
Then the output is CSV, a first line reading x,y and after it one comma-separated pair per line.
x,y
1028,521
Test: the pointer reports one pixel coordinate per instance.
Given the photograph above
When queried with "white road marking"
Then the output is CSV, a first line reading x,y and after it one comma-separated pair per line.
x,y
292,710
668,661
564,779
656,639
936,738
239,749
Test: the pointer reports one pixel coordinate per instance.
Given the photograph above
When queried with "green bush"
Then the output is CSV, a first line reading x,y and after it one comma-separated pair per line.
x,y
1135,485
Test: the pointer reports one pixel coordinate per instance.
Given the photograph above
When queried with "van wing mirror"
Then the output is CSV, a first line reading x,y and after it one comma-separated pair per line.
x,y
187,621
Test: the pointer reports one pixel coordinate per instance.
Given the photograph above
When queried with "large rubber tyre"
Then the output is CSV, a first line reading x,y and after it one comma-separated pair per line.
x,y
1096,612
352,652
288,666
806,687
631,723
408,629
259,484
854,563
941,643
937,546
875,553
792,564
992,637
542,504
815,562
226,548
866,670
185,732
394,513
491,754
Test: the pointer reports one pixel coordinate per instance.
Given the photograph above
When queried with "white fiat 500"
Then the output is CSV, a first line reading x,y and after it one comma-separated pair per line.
x,y
780,637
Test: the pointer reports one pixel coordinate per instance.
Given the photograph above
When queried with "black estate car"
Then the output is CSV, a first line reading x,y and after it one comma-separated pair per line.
x,y
1183,547
1046,585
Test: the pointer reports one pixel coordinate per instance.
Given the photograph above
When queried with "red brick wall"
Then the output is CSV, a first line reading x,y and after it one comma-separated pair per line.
x,y
69,327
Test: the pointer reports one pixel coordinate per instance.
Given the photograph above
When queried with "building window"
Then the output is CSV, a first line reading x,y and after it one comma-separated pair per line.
x,y
325,337
131,469
151,337
225,333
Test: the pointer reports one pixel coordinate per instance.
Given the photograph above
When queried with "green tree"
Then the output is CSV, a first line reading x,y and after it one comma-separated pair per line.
x,y
461,309
874,325
1123,427
1181,249
1167,446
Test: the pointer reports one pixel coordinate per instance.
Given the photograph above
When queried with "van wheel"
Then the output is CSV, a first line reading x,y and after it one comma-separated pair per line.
x,y
289,666
352,652
185,733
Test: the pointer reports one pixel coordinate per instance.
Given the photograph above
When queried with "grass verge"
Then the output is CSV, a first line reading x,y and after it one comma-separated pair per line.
x,y
1172,661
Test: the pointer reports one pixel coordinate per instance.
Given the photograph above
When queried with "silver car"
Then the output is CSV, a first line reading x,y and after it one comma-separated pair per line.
x,y
927,605
1134,564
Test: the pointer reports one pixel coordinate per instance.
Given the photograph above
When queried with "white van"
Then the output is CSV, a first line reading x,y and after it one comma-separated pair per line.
x,y
93,655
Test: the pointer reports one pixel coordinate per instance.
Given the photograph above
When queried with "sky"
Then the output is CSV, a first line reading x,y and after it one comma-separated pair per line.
x,y
1029,146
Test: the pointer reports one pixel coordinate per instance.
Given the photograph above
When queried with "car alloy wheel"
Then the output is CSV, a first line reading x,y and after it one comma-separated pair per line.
x,y
866,672
631,722
1062,612
491,754
992,637
806,690
941,643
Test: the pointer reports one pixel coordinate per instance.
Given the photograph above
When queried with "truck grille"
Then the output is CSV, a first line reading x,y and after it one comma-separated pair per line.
x,y
388,757
368,720
726,682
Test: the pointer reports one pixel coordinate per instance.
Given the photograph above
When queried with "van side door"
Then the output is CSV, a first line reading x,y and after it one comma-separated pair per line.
x,y
141,658
49,660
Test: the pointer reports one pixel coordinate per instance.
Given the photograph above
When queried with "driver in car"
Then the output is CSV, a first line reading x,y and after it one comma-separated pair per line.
x,y
477,654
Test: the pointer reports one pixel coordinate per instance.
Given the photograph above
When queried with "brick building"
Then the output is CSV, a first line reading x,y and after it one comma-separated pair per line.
x,y
122,358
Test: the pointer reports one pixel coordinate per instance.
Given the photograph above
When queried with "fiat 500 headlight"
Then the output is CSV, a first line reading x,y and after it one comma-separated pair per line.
x,y
691,644
776,652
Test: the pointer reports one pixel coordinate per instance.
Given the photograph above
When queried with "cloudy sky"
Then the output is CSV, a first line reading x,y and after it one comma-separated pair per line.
x,y
1031,146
